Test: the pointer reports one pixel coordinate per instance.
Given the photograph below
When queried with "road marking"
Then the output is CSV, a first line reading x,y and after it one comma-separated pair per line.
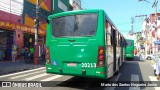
x,y
52,78
134,78
22,72
153,78
19,76
35,77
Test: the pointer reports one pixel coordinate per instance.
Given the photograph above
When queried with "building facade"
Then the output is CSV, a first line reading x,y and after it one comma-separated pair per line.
x,y
17,22
149,33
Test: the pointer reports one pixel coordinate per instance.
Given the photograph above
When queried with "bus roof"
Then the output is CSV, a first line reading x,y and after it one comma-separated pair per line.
x,y
75,12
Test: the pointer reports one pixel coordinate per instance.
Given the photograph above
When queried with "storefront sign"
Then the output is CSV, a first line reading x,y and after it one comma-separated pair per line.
x,y
15,26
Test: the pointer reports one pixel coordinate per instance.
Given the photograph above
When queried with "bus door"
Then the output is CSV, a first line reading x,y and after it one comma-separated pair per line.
x,y
114,49
121,52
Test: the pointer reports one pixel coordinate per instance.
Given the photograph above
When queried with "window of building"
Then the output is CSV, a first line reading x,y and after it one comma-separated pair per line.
x,y
159,18
12,6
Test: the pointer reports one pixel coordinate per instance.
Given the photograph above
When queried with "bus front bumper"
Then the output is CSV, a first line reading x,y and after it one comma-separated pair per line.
x,y
129,55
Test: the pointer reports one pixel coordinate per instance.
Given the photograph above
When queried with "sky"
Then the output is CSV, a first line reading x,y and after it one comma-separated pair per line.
x,y
121,12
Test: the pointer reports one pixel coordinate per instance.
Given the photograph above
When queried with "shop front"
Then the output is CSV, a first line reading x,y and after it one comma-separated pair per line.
x,y
29,40
20,34
6,42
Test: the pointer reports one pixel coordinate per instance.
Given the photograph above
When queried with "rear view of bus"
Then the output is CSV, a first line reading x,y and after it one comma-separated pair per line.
x,y
129,48
75,44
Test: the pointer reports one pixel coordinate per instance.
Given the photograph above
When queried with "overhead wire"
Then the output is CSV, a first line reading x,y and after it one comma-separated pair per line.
x,y
85,5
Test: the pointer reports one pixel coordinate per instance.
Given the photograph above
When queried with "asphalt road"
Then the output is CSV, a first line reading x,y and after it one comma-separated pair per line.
x,y
132,70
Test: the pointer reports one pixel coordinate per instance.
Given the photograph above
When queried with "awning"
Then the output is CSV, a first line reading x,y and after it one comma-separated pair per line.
x,y
156,42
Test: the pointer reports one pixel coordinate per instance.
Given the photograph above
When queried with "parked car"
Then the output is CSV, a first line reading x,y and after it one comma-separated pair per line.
x,y
149,56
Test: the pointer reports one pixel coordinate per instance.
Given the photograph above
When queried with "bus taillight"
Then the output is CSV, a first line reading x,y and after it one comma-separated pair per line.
x,y
100,56
47,56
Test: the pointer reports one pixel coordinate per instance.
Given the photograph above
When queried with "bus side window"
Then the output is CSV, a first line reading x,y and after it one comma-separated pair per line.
x,y
109,39
121,42
117,39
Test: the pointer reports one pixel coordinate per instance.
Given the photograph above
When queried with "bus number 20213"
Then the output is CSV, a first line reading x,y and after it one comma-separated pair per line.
x,y
88,65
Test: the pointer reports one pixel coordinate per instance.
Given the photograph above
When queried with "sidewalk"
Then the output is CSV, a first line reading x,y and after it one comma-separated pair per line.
x,y
19,65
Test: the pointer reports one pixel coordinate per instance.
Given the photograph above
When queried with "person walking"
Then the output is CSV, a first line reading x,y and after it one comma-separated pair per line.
x,y
158,69
26,55
22,53
32,53
14,52
158,64
135,51
43,53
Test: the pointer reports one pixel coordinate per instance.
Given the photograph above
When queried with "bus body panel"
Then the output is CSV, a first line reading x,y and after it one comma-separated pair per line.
x,y
75,55
78,56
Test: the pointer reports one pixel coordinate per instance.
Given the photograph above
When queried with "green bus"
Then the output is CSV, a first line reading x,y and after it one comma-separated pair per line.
x,y
129,48
83,43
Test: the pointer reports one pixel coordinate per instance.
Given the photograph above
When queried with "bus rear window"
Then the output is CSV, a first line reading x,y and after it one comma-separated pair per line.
x,y
74,25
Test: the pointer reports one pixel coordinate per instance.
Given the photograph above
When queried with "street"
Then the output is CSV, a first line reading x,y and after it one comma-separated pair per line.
x,y
132,70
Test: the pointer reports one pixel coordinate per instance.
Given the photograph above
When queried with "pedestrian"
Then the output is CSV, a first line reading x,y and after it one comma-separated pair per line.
x,y
14,52
22,53
158,69
135,51
43,54
31,52
26,54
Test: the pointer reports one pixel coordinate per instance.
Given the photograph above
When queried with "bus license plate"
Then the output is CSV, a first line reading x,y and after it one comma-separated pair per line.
x,y
72,64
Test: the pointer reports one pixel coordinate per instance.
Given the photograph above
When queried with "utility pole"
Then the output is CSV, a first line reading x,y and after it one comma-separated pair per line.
x,y
156,32
36,34
155,6
132,25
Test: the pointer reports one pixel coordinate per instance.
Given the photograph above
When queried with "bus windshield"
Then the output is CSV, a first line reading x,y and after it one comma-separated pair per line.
x,y
129,42
74,25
